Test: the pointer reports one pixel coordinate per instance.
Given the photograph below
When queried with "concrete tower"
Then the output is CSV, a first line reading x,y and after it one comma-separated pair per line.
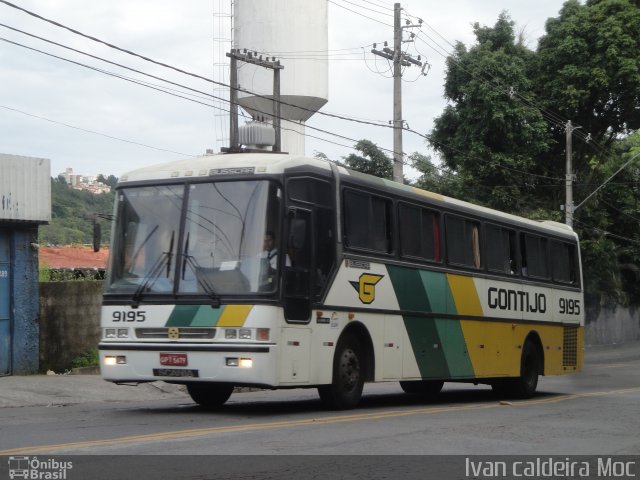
x,y
284,29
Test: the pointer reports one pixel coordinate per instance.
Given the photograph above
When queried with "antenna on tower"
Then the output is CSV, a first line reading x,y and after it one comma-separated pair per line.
x,y
222,43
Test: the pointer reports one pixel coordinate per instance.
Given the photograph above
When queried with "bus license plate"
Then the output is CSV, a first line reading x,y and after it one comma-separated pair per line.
x,y
174,372
174,359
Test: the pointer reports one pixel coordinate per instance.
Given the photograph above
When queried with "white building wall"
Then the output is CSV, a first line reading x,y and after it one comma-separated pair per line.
x,y
25,188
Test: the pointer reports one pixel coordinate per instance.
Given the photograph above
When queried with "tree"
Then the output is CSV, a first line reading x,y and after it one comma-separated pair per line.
x,y
373,160
111,180
587,69
608,224
72,215
486,136
434,179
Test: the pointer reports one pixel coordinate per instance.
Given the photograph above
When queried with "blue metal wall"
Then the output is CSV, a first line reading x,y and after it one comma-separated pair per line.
x,y
22,347
5,303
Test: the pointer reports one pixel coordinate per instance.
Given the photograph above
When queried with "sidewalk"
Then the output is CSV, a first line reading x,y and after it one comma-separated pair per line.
x,y
60,390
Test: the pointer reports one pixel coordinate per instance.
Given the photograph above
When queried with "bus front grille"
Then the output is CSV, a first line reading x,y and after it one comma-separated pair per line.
x,y
176,333
570,347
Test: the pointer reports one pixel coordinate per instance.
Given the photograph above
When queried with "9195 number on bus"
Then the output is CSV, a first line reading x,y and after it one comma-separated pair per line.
x,y
569,306
129,316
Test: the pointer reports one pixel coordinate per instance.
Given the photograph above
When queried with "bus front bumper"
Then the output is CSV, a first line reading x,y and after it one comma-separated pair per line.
x,y
240,364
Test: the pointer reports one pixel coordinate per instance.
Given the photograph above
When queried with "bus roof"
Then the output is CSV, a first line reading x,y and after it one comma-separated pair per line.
x,y
276,163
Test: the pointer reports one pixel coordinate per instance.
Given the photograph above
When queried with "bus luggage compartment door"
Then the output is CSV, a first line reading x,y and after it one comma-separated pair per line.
x,y
295,351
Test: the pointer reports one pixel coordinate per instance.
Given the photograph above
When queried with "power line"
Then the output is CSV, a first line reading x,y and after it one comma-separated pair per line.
x,y
338,116
606,233
94,132
353,11
379,4
342,117
426,137
620,211
192,100
369,9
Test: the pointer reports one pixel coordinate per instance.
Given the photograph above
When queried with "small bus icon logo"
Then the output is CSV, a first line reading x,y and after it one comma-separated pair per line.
x,y
18,467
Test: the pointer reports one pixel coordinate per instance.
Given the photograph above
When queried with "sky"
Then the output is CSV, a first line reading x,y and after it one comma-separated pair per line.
x,y
96,123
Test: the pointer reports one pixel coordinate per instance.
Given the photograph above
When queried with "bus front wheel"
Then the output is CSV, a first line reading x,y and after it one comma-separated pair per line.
x,y
525,385
348,376
209,395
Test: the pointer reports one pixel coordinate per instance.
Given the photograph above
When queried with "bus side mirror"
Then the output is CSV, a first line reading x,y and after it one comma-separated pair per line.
x,y
97,236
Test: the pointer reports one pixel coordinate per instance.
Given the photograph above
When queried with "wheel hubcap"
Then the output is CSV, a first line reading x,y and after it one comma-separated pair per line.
x,y
349,369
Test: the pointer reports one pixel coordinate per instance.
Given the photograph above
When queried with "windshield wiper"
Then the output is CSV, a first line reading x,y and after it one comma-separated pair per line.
x,y
201,279
153,274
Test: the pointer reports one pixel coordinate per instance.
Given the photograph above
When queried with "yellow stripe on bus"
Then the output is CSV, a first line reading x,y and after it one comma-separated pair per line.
x,y
234,315
464,295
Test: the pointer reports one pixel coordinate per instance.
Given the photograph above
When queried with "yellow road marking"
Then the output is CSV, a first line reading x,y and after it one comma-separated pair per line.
x,y
358,417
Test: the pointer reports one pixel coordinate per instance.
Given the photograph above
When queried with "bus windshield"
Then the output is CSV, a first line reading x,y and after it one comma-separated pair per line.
x,y
218,248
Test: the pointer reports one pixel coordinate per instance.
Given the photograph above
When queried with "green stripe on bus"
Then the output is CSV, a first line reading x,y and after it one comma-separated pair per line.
x,y
194,316
423,334
449,331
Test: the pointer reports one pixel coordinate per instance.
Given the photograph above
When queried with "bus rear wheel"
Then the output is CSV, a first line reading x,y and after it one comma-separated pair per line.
x,y
422,387
345,390
525,385
210,395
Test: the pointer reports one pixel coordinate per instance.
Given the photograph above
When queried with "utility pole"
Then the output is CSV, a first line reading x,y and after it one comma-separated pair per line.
x,y
397,95
252,57
568,206
399,60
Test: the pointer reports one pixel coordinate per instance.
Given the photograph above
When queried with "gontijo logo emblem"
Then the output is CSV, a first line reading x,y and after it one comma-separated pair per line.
x,y
366,287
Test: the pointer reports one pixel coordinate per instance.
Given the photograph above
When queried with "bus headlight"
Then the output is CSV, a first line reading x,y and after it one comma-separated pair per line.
x,y
110,333
246,362
245,334
109,360
123,333
230,333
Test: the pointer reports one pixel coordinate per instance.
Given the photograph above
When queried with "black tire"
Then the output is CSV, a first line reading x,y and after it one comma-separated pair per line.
x,y
422,387
348,376
525,385
210,395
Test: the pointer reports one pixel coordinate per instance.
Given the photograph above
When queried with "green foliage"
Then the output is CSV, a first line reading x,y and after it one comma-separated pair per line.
x,y
72,214
373,160
502,137
485,135
90,358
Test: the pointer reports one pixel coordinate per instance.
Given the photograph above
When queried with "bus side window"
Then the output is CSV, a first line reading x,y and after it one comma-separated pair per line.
x,y
367,221
563,258
501,251
463,241
534,256
419,232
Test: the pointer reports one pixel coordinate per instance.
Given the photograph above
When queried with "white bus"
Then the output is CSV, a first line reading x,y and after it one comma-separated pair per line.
x,y
274,271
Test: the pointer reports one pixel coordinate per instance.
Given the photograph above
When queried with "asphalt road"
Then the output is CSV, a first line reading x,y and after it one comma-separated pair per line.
x,y
595,412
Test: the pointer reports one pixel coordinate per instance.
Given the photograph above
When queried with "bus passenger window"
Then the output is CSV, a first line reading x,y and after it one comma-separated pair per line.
x,y
463,242
501,251
534,256
367,221
419,233
564,260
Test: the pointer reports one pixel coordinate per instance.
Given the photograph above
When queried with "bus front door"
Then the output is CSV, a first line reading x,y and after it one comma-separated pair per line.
x,y
297,277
